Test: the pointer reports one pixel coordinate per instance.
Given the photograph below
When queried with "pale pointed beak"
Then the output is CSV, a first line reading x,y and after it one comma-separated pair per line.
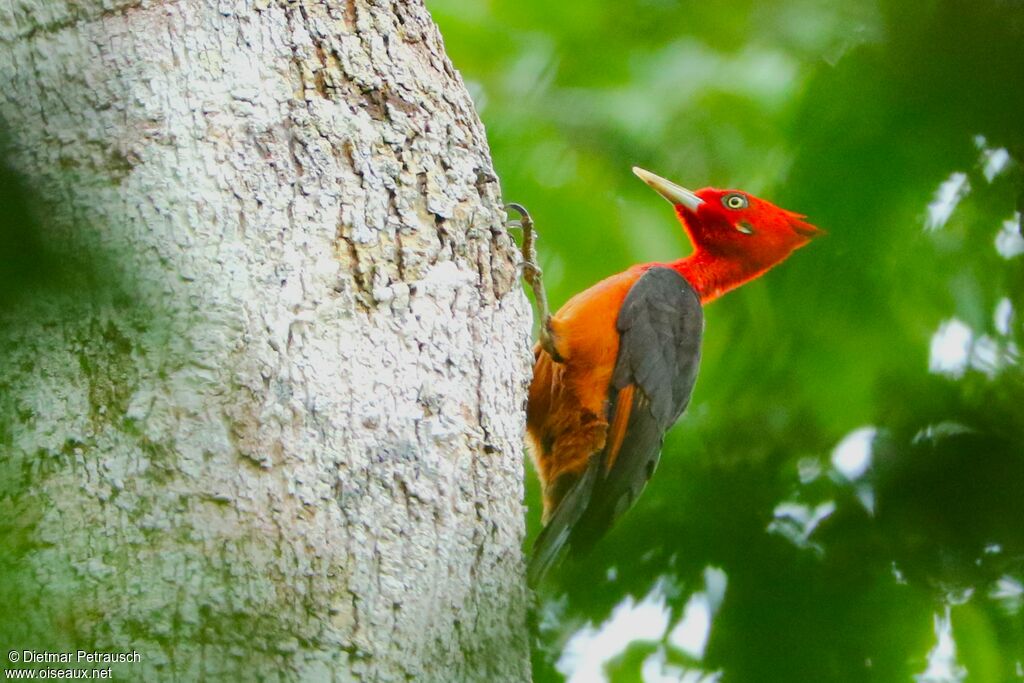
x,y
666,188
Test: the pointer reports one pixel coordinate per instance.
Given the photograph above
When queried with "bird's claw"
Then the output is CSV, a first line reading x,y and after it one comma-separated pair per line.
x,y
529,269
529,263
525,223
518,208
533,275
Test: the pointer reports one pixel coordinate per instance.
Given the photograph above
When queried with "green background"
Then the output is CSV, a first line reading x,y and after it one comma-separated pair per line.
x,y
856,114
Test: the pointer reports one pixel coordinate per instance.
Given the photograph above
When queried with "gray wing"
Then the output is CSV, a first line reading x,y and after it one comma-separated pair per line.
x,y
660,325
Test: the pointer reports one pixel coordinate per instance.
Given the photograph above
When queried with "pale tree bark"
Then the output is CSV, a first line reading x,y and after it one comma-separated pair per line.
x,y
281,438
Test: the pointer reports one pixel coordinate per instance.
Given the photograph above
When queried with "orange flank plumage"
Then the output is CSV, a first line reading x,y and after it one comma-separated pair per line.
x,y
628,349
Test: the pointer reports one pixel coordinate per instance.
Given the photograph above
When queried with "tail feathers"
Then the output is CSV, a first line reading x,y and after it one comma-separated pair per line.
x,y
550,546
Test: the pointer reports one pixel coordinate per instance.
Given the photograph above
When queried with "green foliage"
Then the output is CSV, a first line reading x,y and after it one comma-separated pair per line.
x,y
855,114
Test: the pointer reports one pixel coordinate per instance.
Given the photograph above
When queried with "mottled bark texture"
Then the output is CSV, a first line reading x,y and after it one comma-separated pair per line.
x,y
278,433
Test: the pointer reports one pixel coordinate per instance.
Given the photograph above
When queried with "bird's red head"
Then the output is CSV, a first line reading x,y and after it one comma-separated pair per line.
x,y
733,228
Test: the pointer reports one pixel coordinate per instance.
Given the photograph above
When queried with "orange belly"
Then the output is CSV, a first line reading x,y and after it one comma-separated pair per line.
x,y
567,412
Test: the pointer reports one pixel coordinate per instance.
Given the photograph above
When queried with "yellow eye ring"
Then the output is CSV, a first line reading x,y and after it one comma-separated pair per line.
x,y
735,201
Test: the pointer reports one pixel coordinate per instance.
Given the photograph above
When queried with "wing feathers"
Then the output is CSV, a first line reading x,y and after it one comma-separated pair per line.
x,y
660,327
550,544
619,423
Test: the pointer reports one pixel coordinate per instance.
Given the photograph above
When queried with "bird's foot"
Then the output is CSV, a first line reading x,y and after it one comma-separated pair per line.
x,y
547,340
534,276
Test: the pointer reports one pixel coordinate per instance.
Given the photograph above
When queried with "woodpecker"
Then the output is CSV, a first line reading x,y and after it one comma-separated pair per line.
x,y
614,368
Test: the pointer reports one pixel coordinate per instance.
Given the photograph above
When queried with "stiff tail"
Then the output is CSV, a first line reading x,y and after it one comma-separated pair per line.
x,y
550,545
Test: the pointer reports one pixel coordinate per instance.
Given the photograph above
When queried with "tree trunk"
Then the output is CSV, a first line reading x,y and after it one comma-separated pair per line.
x,y
268,423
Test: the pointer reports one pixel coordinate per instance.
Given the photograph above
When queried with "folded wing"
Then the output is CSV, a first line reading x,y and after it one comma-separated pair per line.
x,y
660,324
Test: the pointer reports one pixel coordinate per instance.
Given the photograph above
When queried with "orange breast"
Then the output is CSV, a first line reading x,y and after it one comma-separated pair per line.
x,y
586,336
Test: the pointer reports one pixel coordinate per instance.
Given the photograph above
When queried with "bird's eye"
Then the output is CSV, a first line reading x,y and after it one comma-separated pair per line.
x,y
735,201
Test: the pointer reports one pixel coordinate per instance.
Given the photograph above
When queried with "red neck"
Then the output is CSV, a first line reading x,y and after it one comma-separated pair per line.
x,y
713,276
